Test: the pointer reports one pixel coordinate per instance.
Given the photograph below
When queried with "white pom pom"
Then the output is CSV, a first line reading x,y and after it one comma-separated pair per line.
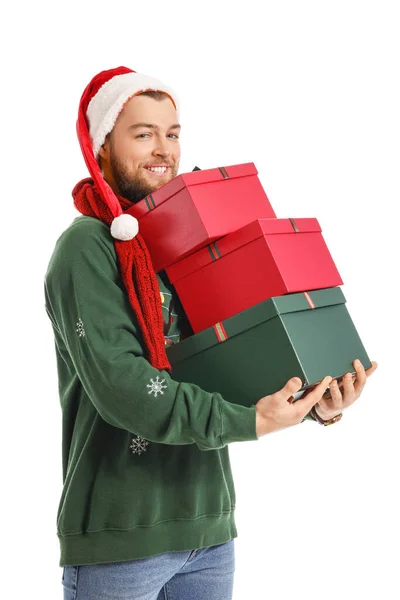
x,y
124,227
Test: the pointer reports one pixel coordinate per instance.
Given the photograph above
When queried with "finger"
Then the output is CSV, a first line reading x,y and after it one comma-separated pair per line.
x,y
336,394
308,391
291,387
372,369
300,394
327,393
348,389
361,377
313,397
357,387
340,381
335,399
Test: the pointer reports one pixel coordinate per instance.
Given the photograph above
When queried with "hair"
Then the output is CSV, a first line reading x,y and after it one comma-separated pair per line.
x,y
156,95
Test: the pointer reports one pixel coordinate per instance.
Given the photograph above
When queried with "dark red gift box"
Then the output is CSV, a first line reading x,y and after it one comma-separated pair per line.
x,y
196,208
266,258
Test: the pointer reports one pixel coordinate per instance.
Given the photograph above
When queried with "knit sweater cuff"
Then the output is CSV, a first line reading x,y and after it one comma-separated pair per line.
x,y
238,422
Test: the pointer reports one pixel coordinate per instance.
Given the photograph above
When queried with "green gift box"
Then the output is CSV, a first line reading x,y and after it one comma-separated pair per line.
x,y
255,352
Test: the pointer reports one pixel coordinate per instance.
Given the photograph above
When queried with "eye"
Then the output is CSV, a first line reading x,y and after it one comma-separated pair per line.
x,y
142,135
174,135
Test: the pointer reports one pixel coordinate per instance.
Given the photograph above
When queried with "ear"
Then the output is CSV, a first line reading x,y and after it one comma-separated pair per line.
x,y
104,152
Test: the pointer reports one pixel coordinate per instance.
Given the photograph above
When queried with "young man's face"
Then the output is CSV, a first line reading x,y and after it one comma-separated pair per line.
x,y
145,135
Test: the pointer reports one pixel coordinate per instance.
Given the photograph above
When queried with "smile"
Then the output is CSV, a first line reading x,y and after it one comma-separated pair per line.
x,y
157,170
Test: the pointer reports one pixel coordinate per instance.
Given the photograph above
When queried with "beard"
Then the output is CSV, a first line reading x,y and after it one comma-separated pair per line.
x,y
132,188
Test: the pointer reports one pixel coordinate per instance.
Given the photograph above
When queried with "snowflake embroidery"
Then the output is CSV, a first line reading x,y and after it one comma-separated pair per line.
x,y
156,386
138,445
80,330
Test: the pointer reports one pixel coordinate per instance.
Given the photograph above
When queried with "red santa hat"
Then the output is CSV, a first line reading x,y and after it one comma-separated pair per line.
x,y
101,103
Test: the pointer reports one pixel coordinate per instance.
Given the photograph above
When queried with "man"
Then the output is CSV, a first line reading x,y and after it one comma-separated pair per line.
x,y
147,506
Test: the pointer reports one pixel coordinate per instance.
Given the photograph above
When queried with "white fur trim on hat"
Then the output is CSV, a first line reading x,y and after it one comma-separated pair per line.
x,y
105,106
124,227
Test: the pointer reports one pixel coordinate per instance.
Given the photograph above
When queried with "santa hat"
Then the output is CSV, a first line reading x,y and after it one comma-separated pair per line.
x,y
101,103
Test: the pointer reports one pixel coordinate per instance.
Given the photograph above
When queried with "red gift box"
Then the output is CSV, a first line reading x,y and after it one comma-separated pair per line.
x,y
268,257
196,208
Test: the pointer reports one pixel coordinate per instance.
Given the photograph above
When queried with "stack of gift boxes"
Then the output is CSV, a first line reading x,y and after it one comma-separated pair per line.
x,y
261,293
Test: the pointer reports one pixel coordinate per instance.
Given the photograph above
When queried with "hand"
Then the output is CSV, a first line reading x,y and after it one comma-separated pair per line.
x,y
343,394
278,410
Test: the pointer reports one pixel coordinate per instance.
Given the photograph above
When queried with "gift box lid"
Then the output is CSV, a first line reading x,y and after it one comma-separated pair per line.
x,y
179,182
260,313
241,237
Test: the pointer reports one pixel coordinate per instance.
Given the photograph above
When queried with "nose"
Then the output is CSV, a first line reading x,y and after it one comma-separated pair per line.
x,y
161,148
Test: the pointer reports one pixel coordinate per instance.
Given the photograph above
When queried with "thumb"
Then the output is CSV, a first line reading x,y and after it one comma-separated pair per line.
x,y
291,387
315,395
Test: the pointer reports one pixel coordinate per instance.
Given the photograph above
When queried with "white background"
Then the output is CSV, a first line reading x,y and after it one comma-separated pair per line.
x,y
309,92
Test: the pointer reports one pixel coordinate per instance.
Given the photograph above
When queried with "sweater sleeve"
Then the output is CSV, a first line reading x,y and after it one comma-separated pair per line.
x,y
90,311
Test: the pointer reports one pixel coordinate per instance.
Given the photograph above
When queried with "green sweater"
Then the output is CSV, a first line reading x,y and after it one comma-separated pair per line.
x,y
145,458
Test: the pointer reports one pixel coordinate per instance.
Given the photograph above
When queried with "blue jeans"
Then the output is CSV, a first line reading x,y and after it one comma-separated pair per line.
x,y
204,574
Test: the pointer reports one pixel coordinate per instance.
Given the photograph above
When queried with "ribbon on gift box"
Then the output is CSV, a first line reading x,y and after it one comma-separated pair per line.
x,y
220,332
309,300
213,250
151,205
224,172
